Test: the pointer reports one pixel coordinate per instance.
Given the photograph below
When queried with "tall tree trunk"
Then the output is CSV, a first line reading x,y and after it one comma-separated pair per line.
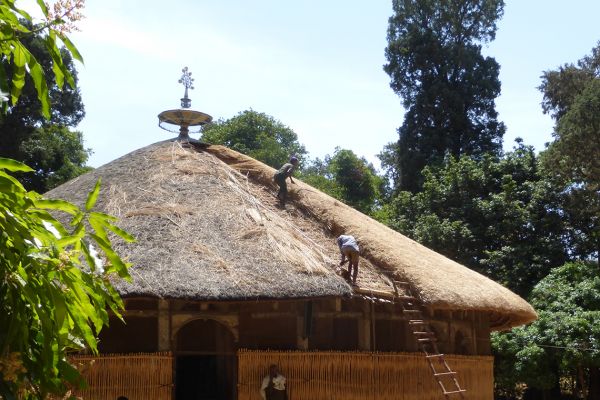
x,y
581,384
594,387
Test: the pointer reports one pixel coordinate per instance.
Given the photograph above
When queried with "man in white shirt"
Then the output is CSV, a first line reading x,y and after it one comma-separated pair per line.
x,y
350,250
273,385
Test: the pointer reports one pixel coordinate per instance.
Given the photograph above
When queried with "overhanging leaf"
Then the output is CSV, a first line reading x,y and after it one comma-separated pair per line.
x,y
125,235
42,6
58,66
59,205
70,46
39,81
18,80
13,166
93,196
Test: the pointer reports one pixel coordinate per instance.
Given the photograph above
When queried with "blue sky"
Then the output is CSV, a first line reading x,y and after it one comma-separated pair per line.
x,y
314,65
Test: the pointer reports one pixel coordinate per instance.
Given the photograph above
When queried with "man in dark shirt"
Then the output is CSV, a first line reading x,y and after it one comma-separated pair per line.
x,y
285,172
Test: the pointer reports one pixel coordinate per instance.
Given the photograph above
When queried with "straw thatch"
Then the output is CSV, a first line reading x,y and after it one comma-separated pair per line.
x,y
208,228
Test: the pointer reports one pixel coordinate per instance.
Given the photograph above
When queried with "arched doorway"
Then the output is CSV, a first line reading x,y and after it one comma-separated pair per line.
x,y
205,362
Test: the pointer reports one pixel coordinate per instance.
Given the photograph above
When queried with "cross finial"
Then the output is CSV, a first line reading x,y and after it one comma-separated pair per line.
x,y
188,82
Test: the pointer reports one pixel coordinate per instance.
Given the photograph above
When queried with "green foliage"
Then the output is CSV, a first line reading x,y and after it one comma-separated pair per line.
x,y
318,174
27,134
572,95
574,159
498,216
447,86
257,135
67,107
564,341
17,58
519,360
54,288
561,87
346,177
575,155
56,155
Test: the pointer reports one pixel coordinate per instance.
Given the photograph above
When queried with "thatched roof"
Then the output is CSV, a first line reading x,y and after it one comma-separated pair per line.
x,y
208,227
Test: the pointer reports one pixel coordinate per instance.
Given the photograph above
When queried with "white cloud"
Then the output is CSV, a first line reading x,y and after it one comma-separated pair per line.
x,y
161,44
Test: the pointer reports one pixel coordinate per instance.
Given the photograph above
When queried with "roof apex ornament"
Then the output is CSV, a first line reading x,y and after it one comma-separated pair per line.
x,y
188,82
183,119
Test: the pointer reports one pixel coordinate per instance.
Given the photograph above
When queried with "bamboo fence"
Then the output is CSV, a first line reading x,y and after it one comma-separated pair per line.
x,y
361,375
137,376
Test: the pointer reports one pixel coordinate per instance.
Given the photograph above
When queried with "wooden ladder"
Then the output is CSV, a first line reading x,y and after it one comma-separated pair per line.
x,y
427,341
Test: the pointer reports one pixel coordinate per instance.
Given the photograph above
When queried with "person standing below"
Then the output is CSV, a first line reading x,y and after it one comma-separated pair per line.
x,y
273,385
285,172
350,250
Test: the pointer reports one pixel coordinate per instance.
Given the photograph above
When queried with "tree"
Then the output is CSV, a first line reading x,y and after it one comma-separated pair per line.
x,y
55,284
572,96
561,87
17,57
318,174
574,158
56,155
54,287
348,178
575,153
498,216
257,135
23,125
447,86
563,344
356,178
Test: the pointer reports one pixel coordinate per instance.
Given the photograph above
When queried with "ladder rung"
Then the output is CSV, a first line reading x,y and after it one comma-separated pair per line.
x,y
407,298
456,391
423,333
402,283
427,340
417,322
434,355
445,373
413,311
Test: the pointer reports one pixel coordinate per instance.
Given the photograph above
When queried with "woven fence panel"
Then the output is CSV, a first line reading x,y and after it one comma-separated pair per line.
x,y
135,376
364,376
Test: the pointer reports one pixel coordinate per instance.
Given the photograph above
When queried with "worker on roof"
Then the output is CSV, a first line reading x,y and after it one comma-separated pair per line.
x,y
350,251
285,172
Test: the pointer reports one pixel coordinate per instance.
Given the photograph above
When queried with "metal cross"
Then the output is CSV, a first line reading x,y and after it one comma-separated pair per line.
x,y
187,81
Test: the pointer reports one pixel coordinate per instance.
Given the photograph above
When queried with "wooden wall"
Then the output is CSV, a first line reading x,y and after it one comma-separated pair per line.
x,y
314,375
320,325
135,376
361,375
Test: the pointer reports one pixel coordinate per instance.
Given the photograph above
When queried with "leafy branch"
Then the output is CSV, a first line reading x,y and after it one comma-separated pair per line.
x,y
14,54
55,288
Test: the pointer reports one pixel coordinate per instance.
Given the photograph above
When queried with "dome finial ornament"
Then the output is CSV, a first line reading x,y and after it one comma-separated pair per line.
x,y
183,119
188,82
